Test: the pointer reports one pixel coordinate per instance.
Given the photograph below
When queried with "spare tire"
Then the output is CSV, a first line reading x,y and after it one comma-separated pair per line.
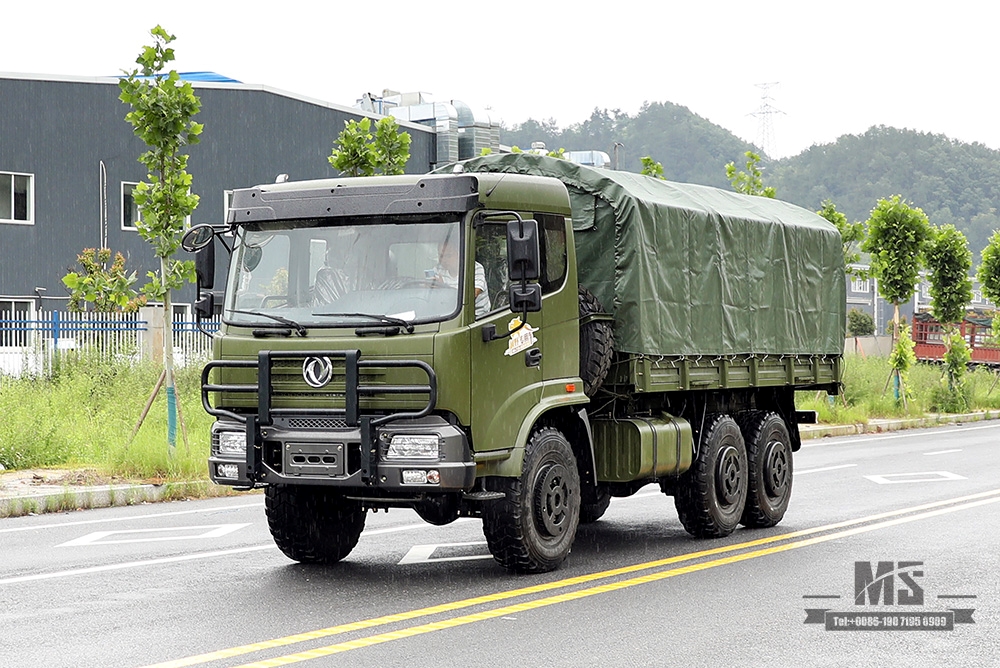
x,y
596,344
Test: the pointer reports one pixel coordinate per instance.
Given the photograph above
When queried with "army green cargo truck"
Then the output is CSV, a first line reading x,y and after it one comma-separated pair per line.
x,y
517,339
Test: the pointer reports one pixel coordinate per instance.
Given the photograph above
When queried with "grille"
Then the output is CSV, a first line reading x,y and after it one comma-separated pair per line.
x,y
317,423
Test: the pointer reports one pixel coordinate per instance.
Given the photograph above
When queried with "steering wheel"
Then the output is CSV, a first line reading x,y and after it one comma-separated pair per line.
x,y
275,298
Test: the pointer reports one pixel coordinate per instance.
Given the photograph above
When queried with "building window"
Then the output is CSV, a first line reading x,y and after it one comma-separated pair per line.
x,y
130,210
861,285
17,198
15,320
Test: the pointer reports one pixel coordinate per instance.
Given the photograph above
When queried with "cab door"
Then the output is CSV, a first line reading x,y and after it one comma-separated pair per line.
x,y
506,371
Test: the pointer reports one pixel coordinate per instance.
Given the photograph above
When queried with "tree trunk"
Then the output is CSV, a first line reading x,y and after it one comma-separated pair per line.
x,y
895,323
897,389
168,363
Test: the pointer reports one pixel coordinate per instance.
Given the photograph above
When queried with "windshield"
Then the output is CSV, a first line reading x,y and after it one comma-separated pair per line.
x,y
348,275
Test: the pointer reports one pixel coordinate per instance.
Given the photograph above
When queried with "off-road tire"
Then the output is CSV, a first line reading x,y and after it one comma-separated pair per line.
x,y
711,495
597,341
591,512
532,529
769,468
312,525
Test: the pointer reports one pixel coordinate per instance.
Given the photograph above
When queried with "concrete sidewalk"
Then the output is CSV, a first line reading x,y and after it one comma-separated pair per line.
x,y
52,490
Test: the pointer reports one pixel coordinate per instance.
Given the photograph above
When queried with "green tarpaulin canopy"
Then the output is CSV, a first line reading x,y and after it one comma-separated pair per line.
x,y
695,270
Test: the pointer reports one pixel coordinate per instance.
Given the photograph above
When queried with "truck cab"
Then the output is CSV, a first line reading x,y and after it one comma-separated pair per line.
x,y
369,353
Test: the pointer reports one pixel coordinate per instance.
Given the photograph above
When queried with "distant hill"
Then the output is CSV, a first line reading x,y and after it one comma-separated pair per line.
x,y
691,148
953,182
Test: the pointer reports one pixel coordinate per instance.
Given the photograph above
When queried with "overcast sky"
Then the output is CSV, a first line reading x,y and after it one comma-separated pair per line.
x,y
838,68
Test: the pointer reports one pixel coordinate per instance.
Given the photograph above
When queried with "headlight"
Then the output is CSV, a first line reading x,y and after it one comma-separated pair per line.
x,y
232,443
403,446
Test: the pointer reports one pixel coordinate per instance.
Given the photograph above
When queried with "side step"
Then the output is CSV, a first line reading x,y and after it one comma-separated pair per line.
x,y
483,496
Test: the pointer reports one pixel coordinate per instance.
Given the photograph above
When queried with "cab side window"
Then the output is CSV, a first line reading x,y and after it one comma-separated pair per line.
x,y
553,246
491,253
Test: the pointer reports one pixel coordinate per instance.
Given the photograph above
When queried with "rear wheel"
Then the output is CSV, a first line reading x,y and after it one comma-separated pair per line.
x,y
532,529
769,468
312,524
711,496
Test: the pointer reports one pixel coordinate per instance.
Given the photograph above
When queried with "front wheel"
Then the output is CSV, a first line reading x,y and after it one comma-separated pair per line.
x,y
532,529
312,524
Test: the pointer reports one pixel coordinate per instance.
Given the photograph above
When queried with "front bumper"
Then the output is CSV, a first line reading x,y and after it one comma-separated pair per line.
x,y
331,454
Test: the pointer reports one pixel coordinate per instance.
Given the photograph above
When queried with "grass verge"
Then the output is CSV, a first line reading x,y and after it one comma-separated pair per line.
x,y
84,417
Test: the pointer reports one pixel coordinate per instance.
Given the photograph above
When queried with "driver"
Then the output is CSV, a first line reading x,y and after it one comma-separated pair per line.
x,y
331,279
446,272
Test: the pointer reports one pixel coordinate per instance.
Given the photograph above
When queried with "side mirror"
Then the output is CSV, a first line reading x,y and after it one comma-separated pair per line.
x,y
526,298
523,254
197,237
205,307
204,266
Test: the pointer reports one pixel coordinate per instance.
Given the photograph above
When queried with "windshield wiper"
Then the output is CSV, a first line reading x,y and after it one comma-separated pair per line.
x,y
386,319
301,330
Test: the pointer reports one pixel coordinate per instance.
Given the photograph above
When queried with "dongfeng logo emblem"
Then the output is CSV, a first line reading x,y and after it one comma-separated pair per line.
x,y
317,371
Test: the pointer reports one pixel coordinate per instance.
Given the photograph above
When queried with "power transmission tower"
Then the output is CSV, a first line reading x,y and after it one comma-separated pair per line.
x,y
765,127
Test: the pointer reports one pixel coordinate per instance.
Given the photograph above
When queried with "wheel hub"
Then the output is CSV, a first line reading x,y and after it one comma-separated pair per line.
x,y
727,476
776,469
552,500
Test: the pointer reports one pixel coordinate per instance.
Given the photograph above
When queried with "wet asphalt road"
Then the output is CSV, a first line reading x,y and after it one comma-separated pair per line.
x,y
200,583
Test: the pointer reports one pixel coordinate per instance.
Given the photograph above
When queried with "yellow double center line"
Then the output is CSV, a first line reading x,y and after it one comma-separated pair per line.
x,y
795,540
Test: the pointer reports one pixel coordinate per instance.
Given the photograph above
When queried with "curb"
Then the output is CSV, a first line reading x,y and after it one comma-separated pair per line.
x,y
66,498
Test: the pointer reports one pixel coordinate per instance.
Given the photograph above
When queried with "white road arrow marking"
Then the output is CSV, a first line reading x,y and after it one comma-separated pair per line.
x,y
927,476
154,535
423,554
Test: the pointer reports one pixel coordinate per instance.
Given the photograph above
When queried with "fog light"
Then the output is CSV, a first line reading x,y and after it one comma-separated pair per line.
x,y
414,477
433,477
233,443
231,471
413,446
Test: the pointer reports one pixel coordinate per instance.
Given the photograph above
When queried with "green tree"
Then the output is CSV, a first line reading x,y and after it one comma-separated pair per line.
x,y
860,323
988,276
651,167
897,240
950,260
162,107
851,235
898,236
357,152
105,288
750,182
391,147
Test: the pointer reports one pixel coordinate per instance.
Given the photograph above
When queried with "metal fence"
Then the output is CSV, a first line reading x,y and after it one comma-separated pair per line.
x,y
31,341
